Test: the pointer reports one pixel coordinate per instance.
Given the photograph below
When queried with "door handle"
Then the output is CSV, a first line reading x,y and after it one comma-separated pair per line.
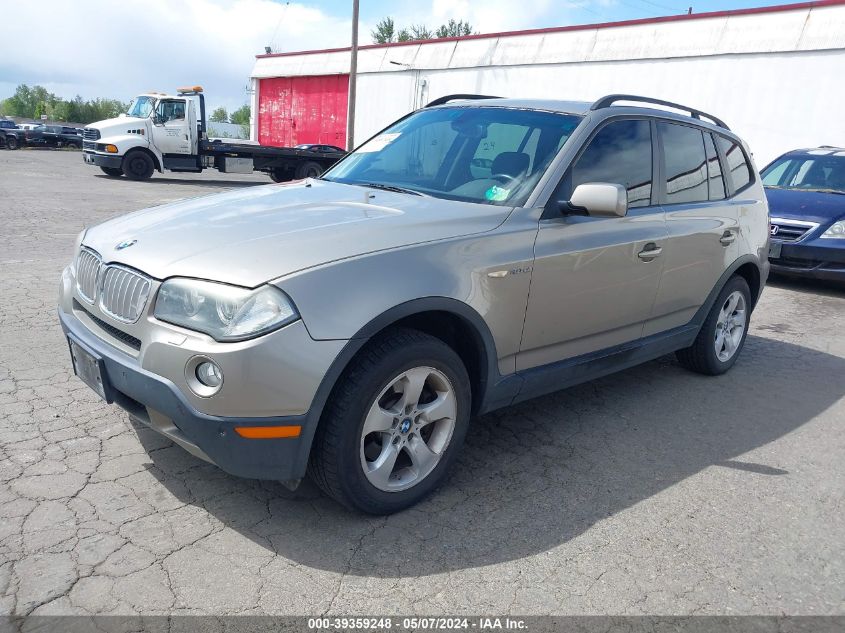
x,y
727,238
650,251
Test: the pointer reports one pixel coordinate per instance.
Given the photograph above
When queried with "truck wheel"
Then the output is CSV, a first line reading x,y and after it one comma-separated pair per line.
x,y
138,165
114,172
394,424
277,175
722,336
11,142
309,170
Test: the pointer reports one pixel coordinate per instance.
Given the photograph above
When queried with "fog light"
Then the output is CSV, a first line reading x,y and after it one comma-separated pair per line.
x,y
209,374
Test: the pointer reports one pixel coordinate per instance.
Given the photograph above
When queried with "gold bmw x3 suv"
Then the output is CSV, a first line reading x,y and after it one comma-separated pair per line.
x,y
478,252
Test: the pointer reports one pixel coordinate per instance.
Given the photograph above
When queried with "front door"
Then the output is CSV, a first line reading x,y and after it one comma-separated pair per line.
x,y
594,280
171,133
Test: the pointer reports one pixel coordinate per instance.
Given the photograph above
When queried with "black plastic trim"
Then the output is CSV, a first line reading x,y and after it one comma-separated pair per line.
x,y
609,100
448,98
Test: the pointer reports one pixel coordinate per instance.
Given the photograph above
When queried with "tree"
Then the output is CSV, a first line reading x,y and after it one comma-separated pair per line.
x,y
219,115
241,117
31,103
454,29
385,31
421,32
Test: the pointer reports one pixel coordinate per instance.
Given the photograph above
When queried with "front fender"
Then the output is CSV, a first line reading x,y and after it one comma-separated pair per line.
x,y
125,142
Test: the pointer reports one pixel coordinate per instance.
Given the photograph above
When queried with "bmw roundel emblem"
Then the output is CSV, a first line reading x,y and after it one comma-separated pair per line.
x,y
125,244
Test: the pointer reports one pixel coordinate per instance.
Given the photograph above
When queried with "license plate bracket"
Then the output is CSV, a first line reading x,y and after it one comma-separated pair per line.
x,y
90,369
774,250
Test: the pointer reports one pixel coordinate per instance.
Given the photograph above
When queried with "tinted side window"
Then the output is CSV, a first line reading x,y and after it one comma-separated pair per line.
x,y
716,182
685,163
737,163
621,154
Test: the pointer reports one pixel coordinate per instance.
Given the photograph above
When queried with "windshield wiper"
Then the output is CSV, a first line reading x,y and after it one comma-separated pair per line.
x,y
383,187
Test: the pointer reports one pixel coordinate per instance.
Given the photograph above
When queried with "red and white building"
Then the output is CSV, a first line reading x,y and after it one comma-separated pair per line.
x,y
776,75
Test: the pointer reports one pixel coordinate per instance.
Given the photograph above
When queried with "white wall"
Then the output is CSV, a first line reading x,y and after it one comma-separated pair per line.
x,y
775,101
776,77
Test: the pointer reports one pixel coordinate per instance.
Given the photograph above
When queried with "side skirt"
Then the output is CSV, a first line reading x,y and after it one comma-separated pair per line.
x,y
539,381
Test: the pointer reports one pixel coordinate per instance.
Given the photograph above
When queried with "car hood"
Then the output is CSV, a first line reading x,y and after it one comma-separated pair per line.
x,y
254,235
812,206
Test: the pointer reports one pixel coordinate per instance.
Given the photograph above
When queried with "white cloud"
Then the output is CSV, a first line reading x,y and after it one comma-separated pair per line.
x,y
117,49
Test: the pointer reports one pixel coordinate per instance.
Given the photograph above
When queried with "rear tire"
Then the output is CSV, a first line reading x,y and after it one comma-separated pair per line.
x,y
722,337
309,170
114,172
11,142
277,175
412,435
138,165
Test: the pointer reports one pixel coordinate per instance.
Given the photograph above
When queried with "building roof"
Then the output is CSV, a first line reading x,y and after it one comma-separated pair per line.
x,y
818,25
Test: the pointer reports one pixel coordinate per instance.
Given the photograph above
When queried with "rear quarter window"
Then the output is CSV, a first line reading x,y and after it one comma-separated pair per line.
x,y
738,166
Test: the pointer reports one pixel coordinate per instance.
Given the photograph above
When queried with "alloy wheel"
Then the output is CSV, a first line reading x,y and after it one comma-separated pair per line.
x,y
730,326
408,428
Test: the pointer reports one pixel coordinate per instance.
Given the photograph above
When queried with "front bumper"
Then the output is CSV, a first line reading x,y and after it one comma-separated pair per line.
x,y
815,259
272,380
156,402
102,160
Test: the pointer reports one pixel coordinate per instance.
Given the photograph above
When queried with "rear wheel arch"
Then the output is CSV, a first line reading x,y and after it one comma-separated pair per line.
x,y
751,273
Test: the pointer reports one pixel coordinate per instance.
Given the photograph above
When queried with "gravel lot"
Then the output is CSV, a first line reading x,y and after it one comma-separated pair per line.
x,y
654,491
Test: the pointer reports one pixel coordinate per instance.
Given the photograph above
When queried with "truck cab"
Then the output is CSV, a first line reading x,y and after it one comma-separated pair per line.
x,y
159,131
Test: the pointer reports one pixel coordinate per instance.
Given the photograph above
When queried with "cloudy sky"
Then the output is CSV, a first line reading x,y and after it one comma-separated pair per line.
x,y
116,48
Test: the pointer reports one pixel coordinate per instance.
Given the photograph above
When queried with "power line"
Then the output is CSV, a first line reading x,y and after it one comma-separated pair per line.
x,y
278,24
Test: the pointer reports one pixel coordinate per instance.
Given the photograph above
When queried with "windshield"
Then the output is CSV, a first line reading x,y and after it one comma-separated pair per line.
x,y
490,155
808,172
141,107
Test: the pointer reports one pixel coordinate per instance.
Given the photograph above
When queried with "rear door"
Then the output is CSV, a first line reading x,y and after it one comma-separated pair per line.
x,y
594,282
701,220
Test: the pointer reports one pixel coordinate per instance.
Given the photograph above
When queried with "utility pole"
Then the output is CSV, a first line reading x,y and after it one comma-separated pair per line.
x,y
353,80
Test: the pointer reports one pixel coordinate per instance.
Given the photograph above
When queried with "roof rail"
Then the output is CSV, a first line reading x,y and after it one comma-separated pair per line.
x,y
609,100
448,98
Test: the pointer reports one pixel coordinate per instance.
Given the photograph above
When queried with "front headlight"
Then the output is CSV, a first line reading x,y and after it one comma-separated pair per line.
x,y
226,313
836,230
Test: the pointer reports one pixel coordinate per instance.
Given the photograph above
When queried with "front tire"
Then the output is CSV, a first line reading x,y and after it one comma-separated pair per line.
x,y
114,172
394,423
723,334
138,165
11,142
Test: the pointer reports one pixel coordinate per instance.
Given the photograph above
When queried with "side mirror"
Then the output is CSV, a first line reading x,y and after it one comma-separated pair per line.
x,y
600,198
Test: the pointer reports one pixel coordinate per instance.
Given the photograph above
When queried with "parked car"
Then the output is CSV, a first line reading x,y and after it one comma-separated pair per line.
x,y
69,137
806,193
54,136
11,136
349,326
316,147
